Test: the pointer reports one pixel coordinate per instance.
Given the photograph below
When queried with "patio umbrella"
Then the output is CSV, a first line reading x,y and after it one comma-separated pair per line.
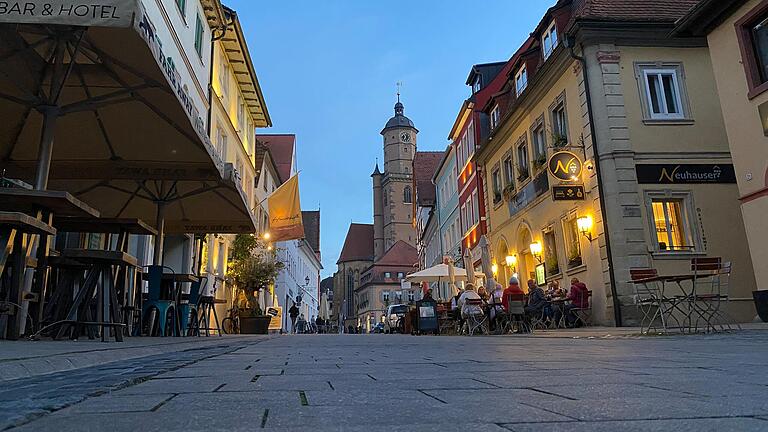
x,y
324,314
439,273
451,276
469,266
485,259
107,110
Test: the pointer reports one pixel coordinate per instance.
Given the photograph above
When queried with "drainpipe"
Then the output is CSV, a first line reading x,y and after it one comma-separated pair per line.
x,y
570,42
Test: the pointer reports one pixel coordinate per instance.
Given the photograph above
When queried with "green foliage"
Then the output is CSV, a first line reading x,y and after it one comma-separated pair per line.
x,y
553,267
252,267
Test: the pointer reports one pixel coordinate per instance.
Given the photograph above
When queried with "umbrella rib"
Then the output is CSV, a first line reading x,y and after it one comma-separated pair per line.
x,y
168,120
231,203
130,198
103,129
92,103
106,57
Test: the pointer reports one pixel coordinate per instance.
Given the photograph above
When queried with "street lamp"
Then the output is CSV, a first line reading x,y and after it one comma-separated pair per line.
x,y
585,226
511,260
536,250
494,269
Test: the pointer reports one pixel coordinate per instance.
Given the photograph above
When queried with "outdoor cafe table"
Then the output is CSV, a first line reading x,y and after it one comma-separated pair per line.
x,y
686,296
41,205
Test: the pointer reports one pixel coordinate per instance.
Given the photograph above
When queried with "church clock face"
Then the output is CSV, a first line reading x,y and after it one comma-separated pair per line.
x,y
405,137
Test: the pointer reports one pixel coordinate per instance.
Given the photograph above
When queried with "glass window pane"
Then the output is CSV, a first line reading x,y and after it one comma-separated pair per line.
x,y
670,94
660,222
655,90
675,223
760,39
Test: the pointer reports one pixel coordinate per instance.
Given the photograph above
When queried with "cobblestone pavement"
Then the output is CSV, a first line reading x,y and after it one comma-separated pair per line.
x,y
391,383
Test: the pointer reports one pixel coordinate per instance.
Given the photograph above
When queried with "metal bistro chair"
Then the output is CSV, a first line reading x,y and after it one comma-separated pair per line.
x,y
515,315
584,315
477,321
648,299
710,291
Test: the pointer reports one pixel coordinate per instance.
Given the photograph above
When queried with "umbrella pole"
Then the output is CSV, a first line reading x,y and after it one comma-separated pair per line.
x,y
50,115
160,237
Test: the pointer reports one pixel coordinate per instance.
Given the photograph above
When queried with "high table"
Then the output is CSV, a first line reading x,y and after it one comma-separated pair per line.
x,y
40,205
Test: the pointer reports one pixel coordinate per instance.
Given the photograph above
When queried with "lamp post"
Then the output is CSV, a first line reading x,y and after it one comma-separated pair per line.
x,y
536,250
584,224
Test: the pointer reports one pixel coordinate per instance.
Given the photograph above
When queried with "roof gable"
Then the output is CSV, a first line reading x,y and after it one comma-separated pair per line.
x,y
424,167
400,254
358,245
282,148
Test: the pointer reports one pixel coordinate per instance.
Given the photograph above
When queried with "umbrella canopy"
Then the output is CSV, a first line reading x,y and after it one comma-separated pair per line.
x,y
111,114
469,265
485,259
324,313
439,273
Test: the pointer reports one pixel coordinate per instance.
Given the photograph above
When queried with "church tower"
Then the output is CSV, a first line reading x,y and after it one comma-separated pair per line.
x,y
397,194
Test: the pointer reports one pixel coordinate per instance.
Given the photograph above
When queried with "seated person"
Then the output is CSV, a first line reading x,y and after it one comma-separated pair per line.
x,y
468,310
579,298
537,301
512,289
455,309
496,303
482,293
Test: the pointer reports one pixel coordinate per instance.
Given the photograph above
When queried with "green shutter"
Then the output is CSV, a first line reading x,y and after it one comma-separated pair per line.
x,y
199,36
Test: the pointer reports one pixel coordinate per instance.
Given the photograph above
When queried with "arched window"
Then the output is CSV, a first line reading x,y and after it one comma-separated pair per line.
x,y
407,195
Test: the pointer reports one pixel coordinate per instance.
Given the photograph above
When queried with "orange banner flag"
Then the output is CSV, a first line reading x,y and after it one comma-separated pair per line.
x,y
285,221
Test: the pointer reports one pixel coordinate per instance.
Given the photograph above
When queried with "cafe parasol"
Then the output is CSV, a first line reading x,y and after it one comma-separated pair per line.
x,y
104,108
440,273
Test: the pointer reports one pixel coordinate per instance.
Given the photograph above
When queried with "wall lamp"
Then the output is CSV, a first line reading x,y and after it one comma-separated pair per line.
x,y
585,226
536,250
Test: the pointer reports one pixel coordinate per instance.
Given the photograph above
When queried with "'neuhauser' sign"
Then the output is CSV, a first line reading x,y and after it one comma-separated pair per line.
x,y
99,13
685,173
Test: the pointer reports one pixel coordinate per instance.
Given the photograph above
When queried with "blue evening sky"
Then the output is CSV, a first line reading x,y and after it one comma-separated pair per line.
x,y
328,70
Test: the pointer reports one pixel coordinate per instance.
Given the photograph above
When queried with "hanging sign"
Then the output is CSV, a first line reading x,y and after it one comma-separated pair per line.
x,y
102,13
565,166
568,193
685,173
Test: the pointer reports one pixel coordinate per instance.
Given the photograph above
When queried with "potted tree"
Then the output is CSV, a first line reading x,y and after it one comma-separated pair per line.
x,y
253,267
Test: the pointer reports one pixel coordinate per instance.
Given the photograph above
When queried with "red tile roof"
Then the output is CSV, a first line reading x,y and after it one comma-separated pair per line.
x,y
358,246
425,165
400,254
281,146
632,10
311,219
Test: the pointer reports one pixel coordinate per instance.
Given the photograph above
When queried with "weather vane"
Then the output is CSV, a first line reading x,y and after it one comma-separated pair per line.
x,y
399,86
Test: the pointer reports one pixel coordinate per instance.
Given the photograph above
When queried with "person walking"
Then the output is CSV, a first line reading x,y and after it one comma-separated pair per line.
x,y
293,312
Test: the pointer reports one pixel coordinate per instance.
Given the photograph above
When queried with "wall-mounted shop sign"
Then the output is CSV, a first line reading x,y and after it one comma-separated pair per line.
x,y
568,193
101,13
565,166
685,173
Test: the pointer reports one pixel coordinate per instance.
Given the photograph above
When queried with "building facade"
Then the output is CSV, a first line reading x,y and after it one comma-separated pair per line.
x,y
735,32
621,115
447,213
355,258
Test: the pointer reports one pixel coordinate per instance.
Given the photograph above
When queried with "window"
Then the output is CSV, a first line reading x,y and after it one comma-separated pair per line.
x,y
476,85
495,117
182,5
385,297
521,80
221,143
509,173
550,252
224,79
411,296
400,275
549,40
572,244
663,98
752,34
539,144
523,171
559,125
496,180
387,275
407,195
475,208
199,36
673,232
240,114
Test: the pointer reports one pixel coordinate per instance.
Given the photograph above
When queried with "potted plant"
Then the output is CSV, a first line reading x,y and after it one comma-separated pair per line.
x,y
553,267
509,192
540,161
574,256
522,173
559,140
252,267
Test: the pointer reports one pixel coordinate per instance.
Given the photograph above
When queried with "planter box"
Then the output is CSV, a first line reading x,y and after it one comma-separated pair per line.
x,y
255,325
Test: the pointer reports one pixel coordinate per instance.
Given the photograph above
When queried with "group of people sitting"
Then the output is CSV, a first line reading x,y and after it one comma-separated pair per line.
x,y
538,303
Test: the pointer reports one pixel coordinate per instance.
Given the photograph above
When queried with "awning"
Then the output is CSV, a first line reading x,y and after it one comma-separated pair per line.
x,y
126,119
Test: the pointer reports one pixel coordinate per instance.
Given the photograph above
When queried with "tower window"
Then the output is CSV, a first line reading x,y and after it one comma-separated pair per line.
x,y
407,195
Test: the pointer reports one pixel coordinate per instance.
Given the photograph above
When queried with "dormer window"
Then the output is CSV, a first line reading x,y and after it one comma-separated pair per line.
x,y
549,40
476,85
521,80
495,116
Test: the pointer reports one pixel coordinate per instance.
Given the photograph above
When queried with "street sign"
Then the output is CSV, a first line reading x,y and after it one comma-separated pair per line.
x,y
568,193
